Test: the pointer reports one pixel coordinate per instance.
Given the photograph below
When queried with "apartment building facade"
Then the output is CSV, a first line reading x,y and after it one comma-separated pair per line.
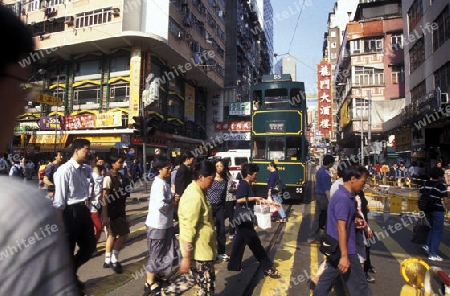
x,y
369,76
98,57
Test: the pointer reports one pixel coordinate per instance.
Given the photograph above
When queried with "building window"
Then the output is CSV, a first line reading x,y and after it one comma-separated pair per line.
x,y
95,17
398,74
417,54
442,77
333,34
120,63
442,33
355,46
373,45
60,92
368,76
86,95
418,91
176,29
88,68
119,92
174,106
397,42
414,14
333,55
333,44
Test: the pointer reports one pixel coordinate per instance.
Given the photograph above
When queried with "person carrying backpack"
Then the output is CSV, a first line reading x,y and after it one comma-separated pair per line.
x,y
437,191
16,170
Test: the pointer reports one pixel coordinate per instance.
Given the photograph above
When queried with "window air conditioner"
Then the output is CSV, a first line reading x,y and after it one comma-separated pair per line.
x,y
444,98
68,20
116,11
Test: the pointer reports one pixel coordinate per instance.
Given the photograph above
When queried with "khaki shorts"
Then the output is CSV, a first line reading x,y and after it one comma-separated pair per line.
x,y
119,226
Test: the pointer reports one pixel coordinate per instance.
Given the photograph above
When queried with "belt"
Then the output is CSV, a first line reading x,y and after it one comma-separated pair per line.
x,y
80,203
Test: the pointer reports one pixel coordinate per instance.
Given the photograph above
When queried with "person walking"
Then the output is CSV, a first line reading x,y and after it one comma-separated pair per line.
x,y
230,202
197,236
95,206
275,195
45,267
322,194
437,191
341,227
113,213
70,199
216,197
163,247
50,171
245,232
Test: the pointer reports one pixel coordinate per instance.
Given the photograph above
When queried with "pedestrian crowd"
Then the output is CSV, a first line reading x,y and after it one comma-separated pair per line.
x,y
341,225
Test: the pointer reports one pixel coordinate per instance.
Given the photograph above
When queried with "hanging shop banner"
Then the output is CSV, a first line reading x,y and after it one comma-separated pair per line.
x,y
240,108
50,123
325,100
112,119
135,76
49,100
189,102
234,126
83,121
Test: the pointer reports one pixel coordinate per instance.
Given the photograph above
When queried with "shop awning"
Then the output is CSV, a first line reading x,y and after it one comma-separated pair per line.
x,y
47,143
102,143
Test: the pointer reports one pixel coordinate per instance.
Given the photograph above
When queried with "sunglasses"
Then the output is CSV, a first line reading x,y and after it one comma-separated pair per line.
x,y
30,89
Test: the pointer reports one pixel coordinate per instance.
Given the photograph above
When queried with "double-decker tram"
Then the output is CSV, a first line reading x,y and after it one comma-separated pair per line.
x,y
279,133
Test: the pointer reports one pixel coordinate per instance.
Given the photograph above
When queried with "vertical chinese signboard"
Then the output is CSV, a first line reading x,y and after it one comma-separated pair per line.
x,y
325,100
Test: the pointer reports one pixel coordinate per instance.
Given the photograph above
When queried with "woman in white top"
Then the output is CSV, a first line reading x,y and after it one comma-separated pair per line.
x,y
163,247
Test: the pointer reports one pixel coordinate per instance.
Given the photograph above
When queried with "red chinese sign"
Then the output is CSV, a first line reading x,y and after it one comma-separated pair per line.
x,y
77,122
325,99
242,126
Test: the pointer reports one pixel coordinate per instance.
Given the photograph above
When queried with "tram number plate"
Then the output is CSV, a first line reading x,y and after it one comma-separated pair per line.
x,y
299,190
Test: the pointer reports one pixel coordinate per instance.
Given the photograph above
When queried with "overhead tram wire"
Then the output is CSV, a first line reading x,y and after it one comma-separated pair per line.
x,y
296,25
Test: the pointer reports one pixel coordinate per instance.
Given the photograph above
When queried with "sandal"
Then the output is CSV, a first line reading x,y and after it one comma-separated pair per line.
x,y
282,220
272,273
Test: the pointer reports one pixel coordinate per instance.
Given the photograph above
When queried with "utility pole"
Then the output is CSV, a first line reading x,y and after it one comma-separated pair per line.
x,y
148,81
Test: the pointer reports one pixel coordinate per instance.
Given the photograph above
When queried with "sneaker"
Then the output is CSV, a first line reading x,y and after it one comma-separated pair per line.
x,y
370,279
426,249
435,258
223,257
117,267
106,265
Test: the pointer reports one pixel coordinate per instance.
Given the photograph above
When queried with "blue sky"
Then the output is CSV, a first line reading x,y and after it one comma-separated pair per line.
x,y
308,39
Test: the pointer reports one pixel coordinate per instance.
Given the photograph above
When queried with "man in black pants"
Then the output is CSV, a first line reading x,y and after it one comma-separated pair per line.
x,y
71,194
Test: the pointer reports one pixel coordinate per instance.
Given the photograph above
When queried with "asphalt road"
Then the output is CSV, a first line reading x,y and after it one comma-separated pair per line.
x,y
287,245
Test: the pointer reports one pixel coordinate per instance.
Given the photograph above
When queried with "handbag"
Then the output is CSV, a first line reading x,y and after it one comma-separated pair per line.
x,y
420,232
243,214
329,246
262,214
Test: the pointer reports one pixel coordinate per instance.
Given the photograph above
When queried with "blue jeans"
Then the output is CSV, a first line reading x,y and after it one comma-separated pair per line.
x,y
436,220
279,200
354,278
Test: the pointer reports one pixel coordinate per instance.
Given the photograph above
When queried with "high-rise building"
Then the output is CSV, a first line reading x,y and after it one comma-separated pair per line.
x,y
287,65
99,57
423,130
247,59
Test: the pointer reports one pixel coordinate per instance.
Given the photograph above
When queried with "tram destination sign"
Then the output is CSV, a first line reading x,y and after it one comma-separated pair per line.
x,y
276,126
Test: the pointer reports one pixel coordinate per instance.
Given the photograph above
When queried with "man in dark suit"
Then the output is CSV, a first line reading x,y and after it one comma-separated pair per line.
x,y
184,177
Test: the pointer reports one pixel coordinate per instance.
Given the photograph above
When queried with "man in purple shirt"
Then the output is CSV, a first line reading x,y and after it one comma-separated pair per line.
x,y
341,226
322,194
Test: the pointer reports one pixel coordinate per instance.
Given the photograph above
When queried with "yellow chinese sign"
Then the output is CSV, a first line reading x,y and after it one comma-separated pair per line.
x,y
49,100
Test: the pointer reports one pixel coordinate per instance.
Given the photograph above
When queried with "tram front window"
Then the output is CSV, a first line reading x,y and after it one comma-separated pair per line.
x,y
276,148
259,148
276,98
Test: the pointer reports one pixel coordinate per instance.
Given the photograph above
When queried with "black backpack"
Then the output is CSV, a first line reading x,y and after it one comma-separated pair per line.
x,y
426,202
18,171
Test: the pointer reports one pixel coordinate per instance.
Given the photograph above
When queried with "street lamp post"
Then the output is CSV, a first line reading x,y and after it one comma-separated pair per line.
x,y
56,125
362,133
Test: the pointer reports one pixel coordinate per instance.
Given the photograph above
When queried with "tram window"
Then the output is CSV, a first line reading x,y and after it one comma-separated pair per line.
x,y
297,97
276,98
259,148
276,148
294,148
257,99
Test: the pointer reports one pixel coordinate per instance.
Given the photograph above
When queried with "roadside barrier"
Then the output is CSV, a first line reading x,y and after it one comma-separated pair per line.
x,y
392,199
